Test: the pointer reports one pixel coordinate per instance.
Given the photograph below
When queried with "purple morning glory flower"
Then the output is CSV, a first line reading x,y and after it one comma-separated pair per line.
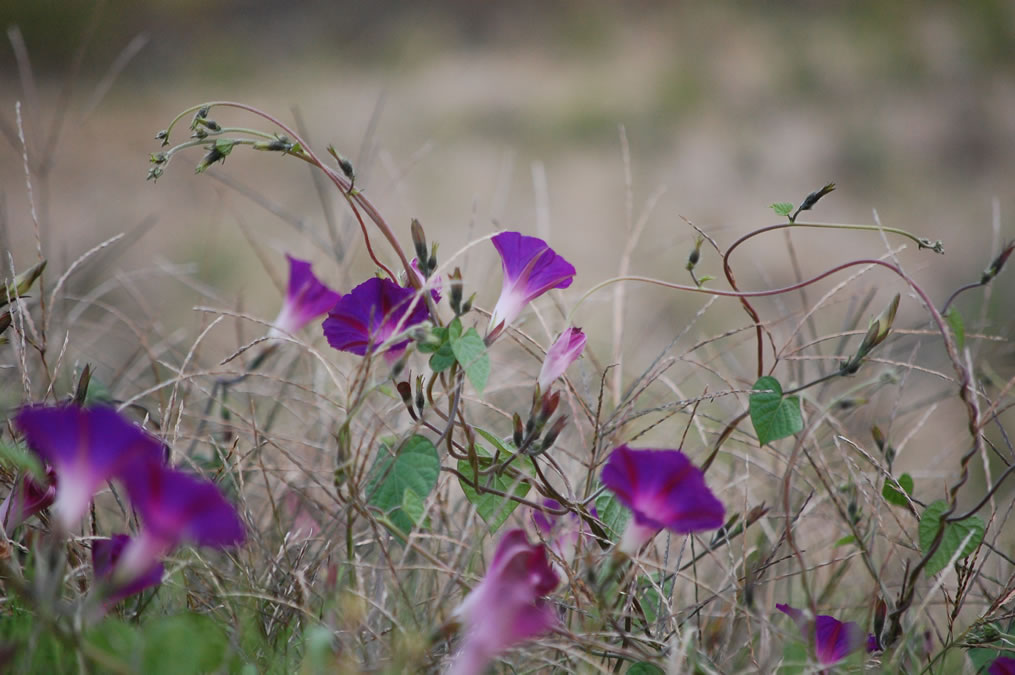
x,y
531,268
562,353
507,606
26,499
369,315
664,491
1002,665
106,554
86,447
306,298
834,640
174,507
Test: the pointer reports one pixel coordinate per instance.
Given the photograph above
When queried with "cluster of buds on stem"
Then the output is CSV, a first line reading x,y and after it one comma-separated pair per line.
x,y
876,334
526,435
427,259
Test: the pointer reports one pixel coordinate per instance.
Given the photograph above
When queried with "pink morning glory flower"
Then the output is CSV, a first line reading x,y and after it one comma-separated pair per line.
x,y
531,268
86,447
174,507
507,606
369,315
106,554
834,640
562,353
664,491
306,298
26,499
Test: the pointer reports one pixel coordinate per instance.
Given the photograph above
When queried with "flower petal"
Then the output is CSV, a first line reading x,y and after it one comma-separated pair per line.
x,y
106,554
663,490
561,354
176,506
306,297
85,447
370,314
530,269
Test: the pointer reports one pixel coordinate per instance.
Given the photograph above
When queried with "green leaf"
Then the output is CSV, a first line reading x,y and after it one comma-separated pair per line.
x,y
454,330
412,507
896,494
954,535
116,637
613,514
954,320
652,603
645,668
16,456
782,208
773,415
415,467
845,541
470,350
494,509
795,658
185,643
443,358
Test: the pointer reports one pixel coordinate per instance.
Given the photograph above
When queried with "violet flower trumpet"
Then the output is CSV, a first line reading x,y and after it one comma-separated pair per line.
x,y
561,354
834,640
531,268
306,299
174,507
664,491
106,554
369,315
507,606
86,447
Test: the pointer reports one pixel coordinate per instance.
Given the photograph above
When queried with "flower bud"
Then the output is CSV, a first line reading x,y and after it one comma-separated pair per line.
x,y
551,436
548,406
519,434
23,282
998,263
455,279
419,244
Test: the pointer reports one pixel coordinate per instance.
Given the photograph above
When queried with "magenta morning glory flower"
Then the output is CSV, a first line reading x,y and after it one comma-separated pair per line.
x,y
369,315
174,507
86,447
834,640
562,353
106,554
1002,665
664,491
531,268
507,606
26,499
306,298
564,533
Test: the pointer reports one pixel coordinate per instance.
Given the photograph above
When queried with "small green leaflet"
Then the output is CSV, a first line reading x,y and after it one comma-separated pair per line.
x,y
613,514
494,509
470,350
892,493
955,533
645,668
773,415
415,468
954,320
782,208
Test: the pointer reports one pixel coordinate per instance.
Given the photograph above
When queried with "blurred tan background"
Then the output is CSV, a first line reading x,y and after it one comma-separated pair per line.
x,y
474,116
